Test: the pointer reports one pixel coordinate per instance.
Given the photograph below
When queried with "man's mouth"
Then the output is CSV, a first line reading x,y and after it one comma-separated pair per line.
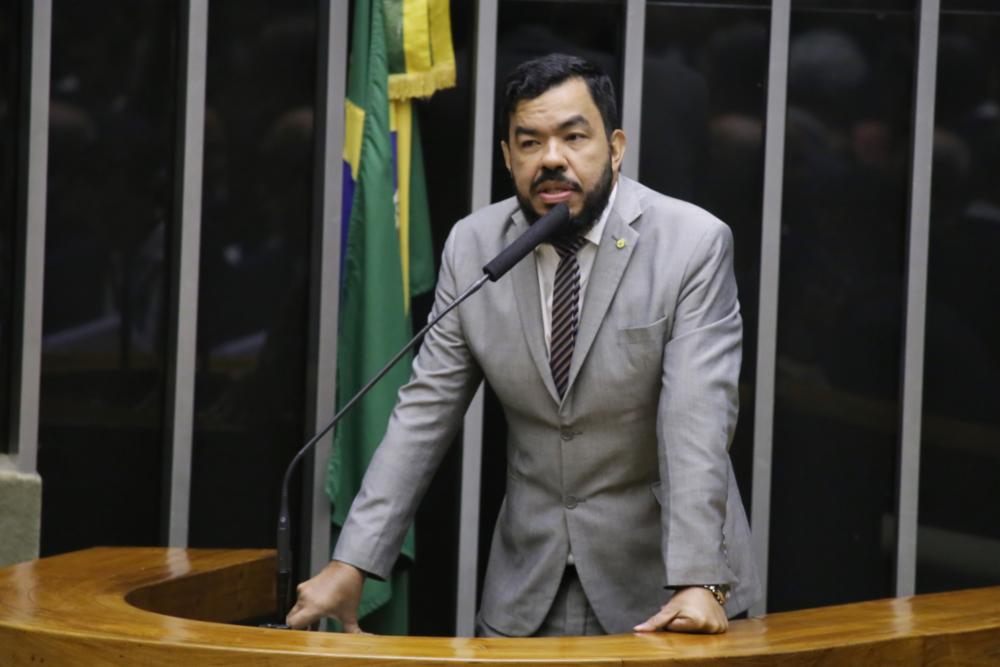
x,y
552,193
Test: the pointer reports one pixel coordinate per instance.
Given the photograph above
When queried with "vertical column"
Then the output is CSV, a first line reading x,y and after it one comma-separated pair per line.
x,y
487,13
185,249
324,289
635,33
916,299
770,257
30,277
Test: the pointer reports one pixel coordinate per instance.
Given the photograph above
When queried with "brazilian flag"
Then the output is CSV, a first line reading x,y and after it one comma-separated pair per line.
x,y
400,49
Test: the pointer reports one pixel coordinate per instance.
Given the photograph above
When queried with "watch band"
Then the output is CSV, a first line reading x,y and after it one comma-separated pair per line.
x,y
720,591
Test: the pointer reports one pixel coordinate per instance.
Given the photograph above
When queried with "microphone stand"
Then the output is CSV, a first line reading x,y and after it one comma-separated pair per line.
x,y
284,597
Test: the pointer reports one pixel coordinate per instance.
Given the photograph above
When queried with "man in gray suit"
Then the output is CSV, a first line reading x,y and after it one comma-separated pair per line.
x,y
615,352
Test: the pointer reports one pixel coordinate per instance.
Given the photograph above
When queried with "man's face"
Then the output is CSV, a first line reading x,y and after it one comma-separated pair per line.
x,y
559,152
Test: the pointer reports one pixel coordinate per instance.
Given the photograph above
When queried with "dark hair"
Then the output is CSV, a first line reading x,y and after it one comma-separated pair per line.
x,y
533,77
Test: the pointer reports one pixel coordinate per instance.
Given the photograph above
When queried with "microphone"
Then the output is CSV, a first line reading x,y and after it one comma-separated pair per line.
x,y
552,224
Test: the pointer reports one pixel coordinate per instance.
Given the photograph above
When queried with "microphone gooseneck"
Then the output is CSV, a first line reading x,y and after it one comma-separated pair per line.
x,y
550,225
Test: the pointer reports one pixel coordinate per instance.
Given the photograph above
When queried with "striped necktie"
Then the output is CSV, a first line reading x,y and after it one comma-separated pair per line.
x,y
565,310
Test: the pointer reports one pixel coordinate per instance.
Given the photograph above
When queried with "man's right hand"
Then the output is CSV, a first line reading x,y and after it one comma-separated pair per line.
x,y
334,592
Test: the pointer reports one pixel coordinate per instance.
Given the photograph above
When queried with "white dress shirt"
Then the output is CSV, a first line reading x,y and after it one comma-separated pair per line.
x,y
547,259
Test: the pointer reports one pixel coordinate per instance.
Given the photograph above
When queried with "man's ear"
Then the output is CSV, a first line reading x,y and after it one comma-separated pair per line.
x,y
506,155
618,143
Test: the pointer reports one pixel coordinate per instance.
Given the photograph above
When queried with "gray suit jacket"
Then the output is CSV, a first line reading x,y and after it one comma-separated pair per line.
x,y
630,470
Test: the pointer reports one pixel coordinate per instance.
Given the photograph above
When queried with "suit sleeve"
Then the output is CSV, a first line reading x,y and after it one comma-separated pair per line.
x,y
421,428
697,415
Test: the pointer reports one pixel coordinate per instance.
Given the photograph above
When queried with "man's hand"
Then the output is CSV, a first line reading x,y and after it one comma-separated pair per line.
x,y
691,609
334,592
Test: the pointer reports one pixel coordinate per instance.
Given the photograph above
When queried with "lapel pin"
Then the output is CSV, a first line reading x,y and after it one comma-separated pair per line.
x,y
620,243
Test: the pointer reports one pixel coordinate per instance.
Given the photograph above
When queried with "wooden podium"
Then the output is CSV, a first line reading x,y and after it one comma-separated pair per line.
x,y
153,606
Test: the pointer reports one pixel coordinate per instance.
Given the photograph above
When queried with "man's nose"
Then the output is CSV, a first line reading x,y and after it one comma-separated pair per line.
x,y
553,157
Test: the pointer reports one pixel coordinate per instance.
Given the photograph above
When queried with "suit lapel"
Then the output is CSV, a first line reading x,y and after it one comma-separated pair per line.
x,y
529,306
606,274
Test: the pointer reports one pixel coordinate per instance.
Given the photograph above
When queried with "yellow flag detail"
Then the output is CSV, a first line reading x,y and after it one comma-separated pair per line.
x,y
401,122
427,46
354,128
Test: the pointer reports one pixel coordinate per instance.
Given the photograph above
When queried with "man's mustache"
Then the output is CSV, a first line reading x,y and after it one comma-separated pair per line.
x,y
554,176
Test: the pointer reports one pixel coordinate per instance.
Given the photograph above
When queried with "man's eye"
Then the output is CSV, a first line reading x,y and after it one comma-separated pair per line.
x,y
529,143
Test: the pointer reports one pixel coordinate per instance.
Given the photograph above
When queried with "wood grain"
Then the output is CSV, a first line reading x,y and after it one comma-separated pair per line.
x,y
151,606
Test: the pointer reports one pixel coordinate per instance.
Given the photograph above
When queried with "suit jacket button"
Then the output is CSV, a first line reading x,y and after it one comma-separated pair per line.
x,y
566,434
570,502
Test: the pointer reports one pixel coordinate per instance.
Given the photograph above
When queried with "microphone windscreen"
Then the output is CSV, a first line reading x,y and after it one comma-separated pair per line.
x,y
550,225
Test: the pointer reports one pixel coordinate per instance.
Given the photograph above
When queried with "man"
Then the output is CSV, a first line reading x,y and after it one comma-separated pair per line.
x,y
617,368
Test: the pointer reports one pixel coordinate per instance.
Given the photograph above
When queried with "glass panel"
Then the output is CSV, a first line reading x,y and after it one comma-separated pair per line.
x,y
10,64
863,6
111,148
252,317
844,218
704,98
958,542
703,5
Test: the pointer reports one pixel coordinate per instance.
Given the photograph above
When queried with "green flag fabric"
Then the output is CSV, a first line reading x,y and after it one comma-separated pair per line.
x,y
386,259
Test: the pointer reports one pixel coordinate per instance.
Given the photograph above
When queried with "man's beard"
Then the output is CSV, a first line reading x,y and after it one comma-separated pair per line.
x,y
594,201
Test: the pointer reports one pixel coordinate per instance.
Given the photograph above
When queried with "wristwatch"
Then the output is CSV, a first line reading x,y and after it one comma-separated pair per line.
x,y
720,591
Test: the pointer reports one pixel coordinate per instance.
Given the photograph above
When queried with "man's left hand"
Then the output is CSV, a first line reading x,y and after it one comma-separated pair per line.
x,y
691,609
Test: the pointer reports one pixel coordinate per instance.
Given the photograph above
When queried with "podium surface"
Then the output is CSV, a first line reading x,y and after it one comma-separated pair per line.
x,y
157,606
